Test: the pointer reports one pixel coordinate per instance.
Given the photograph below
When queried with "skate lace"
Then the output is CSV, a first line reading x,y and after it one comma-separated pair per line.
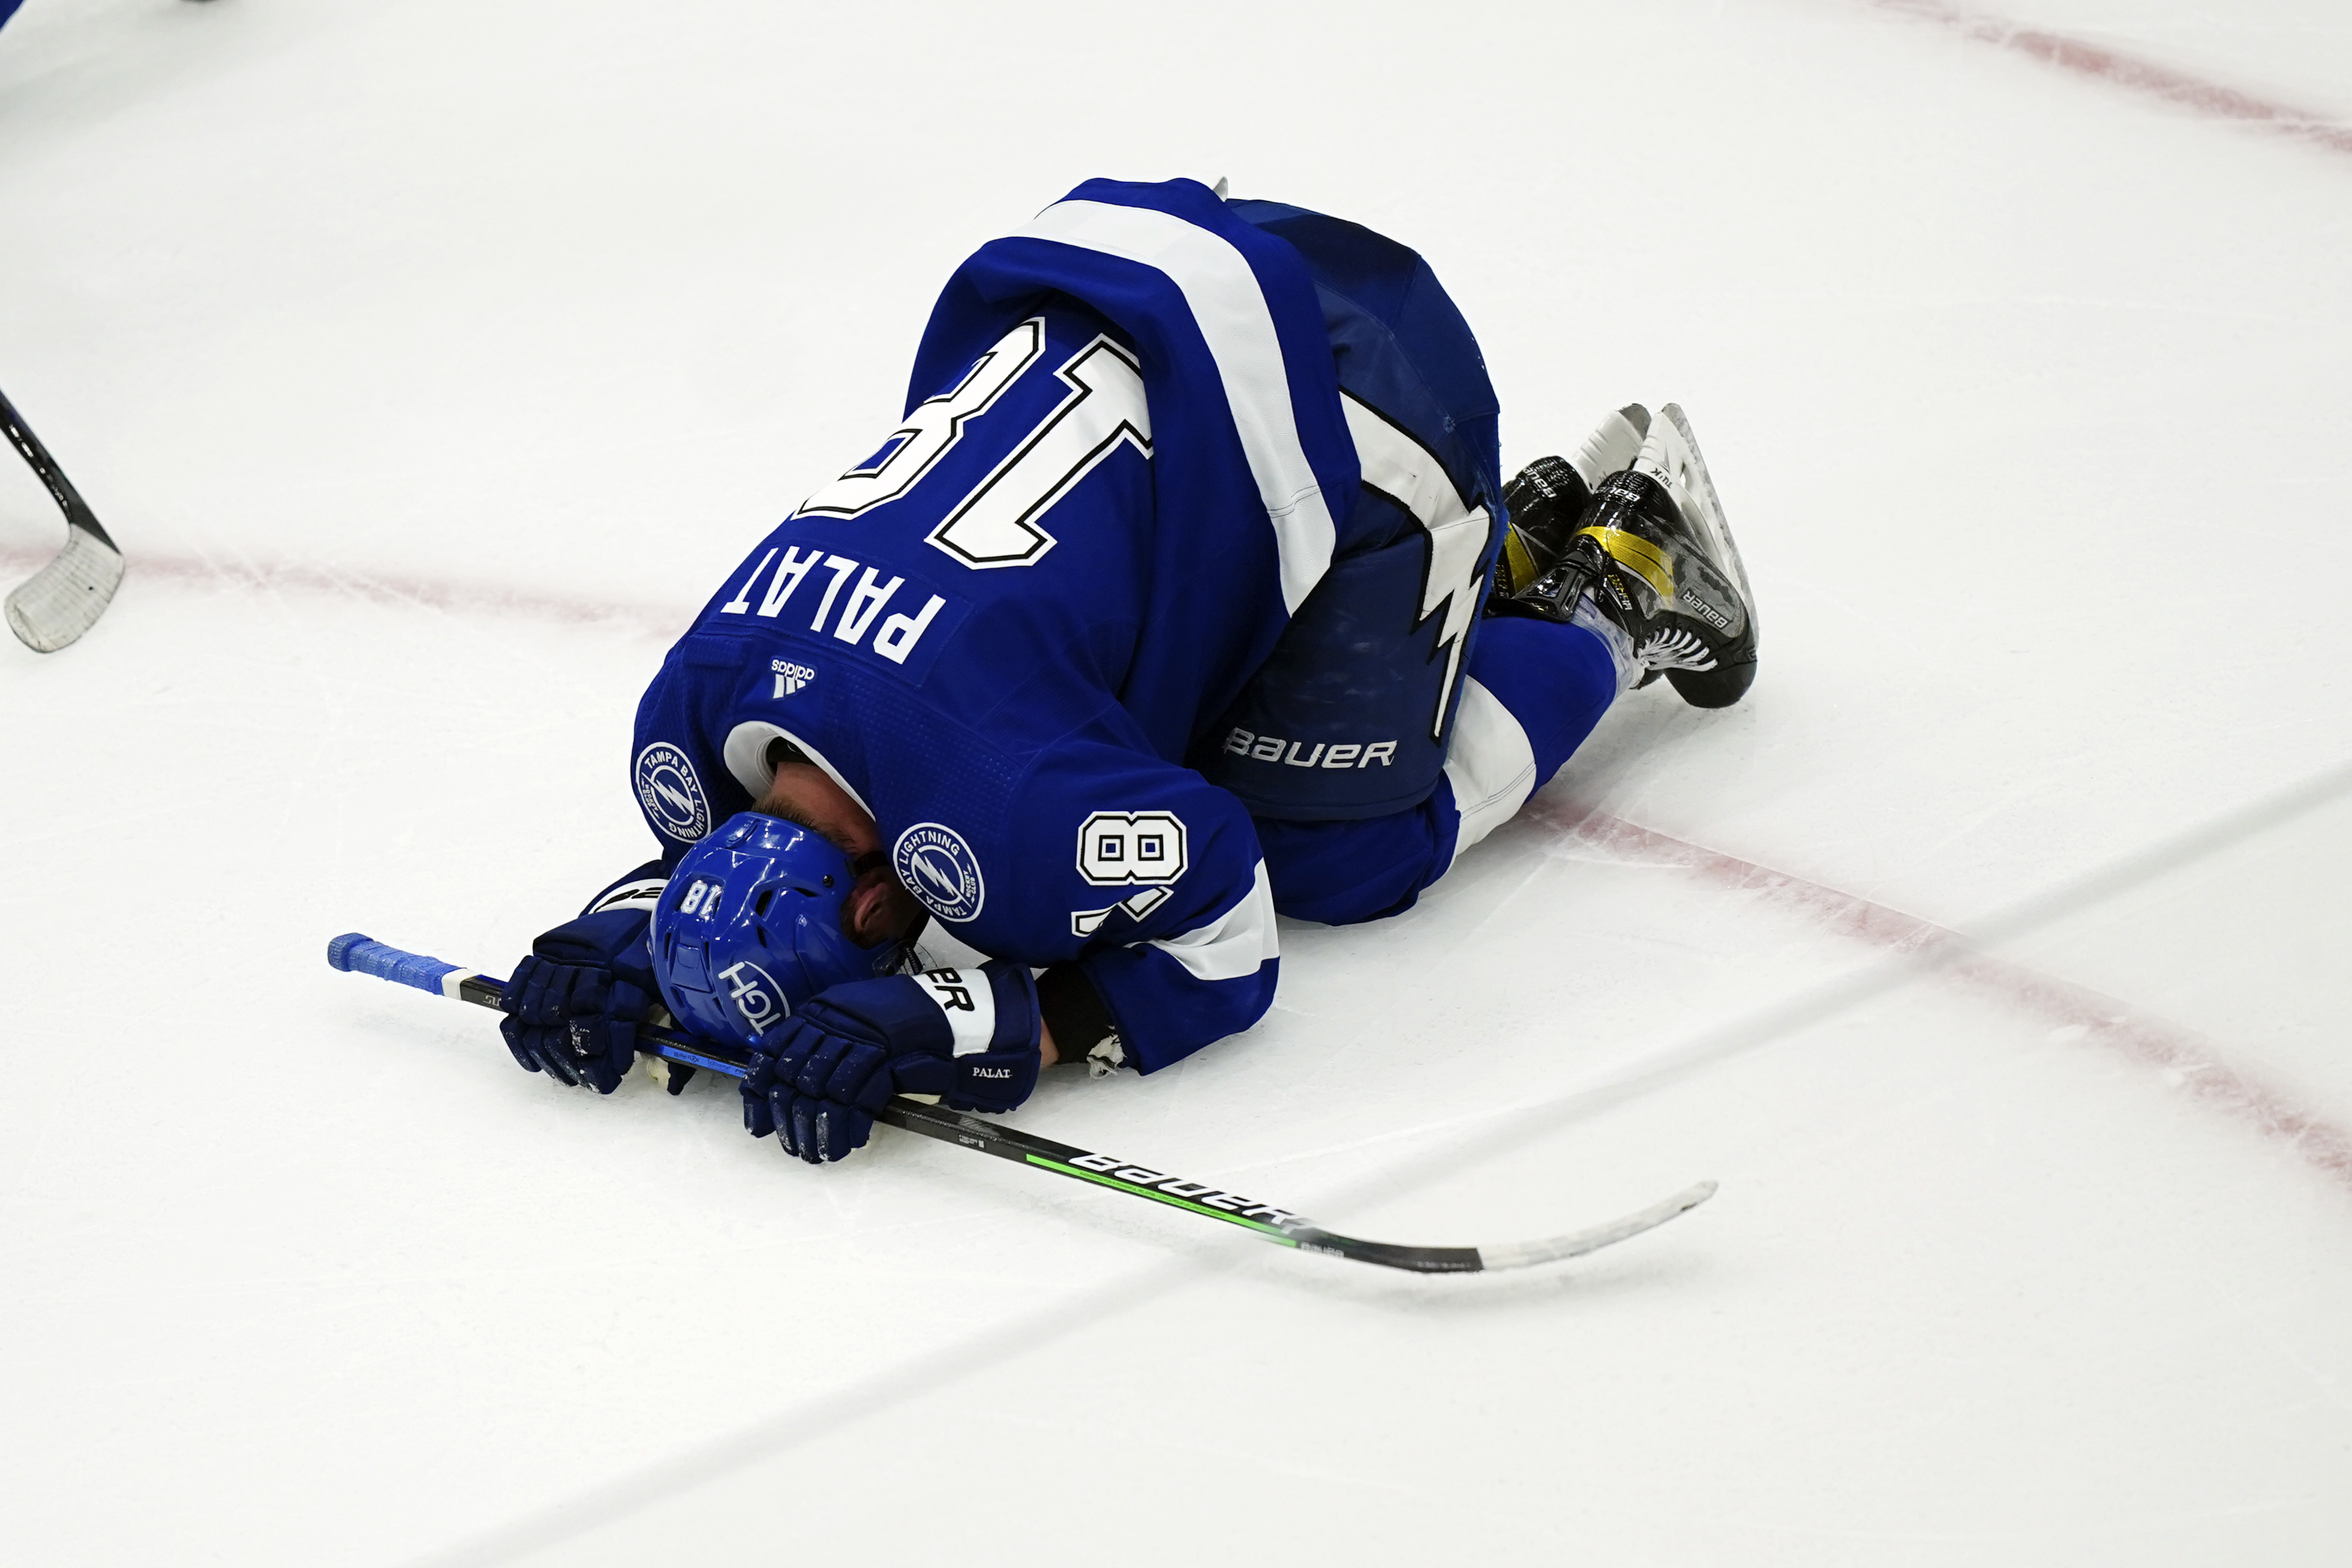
x,y
1674,648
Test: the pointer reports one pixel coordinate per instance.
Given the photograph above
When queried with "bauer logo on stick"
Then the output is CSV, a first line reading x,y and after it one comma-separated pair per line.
x,y
671,794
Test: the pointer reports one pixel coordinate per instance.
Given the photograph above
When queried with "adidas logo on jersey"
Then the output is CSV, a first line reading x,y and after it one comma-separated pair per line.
x,y
790,677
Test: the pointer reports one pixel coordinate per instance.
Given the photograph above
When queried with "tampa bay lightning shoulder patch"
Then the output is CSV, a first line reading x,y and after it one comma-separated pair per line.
x,y
672,796
939,868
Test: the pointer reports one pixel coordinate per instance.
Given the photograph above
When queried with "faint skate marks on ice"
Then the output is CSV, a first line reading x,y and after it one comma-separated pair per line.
x,y
2183,1059
2103,64
448,595
2074,1012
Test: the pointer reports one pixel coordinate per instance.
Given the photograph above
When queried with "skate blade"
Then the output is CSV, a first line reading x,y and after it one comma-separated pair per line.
x,y
1700,487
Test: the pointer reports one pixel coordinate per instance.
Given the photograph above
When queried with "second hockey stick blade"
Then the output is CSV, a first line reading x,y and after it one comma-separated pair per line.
x,y
65,598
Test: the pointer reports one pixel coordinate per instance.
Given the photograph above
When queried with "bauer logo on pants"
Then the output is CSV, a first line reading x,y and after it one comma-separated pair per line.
x,y
939,868
671,794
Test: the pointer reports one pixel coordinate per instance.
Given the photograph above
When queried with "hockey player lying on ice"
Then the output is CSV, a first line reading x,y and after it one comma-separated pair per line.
x,y
1184,597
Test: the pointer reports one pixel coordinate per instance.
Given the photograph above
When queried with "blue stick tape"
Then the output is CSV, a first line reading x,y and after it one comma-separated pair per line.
x,y
364,955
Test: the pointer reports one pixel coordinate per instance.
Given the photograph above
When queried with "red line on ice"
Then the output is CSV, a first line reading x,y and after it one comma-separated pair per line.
x,y
2104,1020
2103,64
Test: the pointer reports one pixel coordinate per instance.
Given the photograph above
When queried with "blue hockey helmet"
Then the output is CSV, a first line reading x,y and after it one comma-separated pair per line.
x,y
750,928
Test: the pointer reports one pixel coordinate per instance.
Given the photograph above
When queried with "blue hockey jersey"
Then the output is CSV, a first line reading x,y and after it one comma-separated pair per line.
x,y
1003,630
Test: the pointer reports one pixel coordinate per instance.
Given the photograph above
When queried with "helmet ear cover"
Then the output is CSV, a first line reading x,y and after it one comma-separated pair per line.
x,y
750,928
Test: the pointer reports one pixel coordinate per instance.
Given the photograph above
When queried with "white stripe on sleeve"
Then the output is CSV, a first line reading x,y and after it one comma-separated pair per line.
x,y
1489,764
1217,283
1236,943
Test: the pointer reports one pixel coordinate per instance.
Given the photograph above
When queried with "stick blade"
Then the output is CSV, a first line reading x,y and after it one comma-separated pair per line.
x,y
65,598
1576,1244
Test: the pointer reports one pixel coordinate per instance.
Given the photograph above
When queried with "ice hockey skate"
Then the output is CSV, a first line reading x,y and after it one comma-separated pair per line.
x,y
1547,498
1655,555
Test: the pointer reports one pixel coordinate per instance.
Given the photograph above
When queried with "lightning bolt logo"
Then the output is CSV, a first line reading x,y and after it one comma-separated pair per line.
x,y
1409,474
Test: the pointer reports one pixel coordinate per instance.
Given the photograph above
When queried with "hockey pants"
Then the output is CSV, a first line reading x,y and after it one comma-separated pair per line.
x,y
1536,690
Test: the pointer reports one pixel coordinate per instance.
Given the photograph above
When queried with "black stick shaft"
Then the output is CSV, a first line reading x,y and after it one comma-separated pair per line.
x,y
61,489
969,1131
1279,1225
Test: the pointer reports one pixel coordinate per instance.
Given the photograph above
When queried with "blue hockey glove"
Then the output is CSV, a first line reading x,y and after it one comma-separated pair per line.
x,y
969,1035
574,1005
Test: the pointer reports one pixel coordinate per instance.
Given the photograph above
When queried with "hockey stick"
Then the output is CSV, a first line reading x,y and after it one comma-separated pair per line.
x,y
65,598
353,952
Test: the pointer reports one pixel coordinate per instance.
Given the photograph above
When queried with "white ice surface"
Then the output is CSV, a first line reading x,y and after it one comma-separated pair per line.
x,y
431,361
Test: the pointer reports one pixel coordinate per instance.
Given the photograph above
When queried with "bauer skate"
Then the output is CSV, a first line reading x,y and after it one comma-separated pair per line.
x,y
1549,496
1652,551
